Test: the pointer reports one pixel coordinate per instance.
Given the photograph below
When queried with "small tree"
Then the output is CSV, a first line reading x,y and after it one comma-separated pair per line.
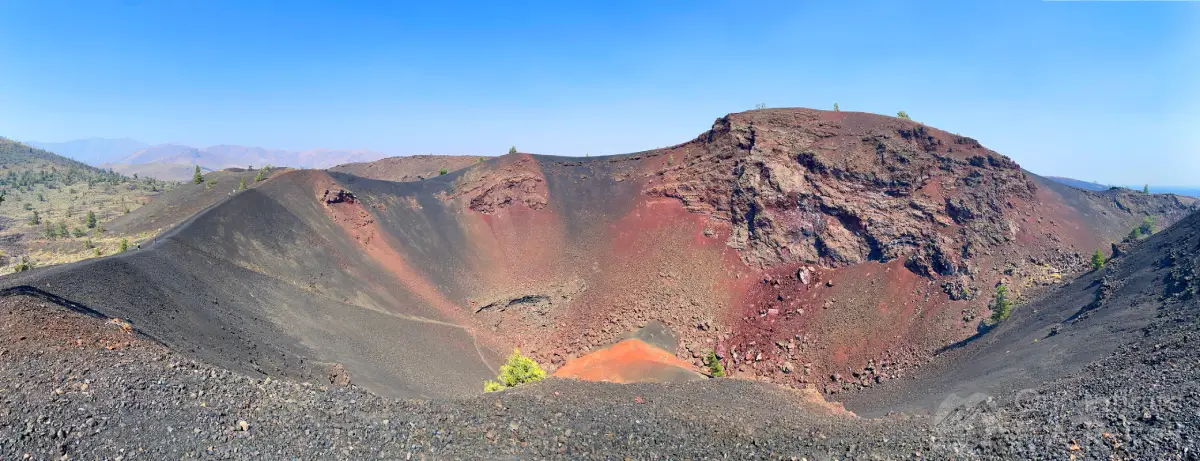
x,y
1001,305
1146,189
50,231
715,369
442,172
836,108
1098,260
262,174
91,220
512,150
517,371
242,185
63,230
36,219
197,178
77,232
124,246
903,115
1147,226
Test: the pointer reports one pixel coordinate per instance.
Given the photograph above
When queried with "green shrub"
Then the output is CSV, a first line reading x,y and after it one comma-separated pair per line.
x,y
903,115
24,265
91,220
262,174
442,172
1001,305
124,246
517,371
836,108
715,369
36,219
242,185
512,150
1147,226
1145,190
1098,260
197,178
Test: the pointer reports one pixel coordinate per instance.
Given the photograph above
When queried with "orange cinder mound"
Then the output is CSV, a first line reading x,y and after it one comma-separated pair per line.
x,y
629,361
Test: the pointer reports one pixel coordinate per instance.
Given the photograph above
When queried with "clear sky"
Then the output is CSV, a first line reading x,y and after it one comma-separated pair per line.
x,y
1105,91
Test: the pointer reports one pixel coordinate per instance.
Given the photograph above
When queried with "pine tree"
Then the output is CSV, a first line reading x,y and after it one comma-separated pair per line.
x,y
903,115
1146,189
1001,306
197,178
836,108
512,150
1098,260
91,220
715,369
242,185
262,174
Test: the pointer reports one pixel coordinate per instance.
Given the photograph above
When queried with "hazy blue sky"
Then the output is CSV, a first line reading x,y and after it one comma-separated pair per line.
x,y
1106,91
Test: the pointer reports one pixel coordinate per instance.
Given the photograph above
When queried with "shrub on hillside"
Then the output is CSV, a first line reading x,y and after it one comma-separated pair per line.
x,y
903,115
512,150
442,172
24,265
124,246
1147,226
262,174
1001,305
517,371
197,178
91,220
1098,260
715,369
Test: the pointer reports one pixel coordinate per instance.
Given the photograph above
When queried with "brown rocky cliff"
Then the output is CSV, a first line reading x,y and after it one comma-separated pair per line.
x,y
839,188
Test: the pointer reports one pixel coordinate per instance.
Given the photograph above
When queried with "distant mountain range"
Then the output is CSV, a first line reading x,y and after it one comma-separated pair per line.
x,y
1094,186
177,162
93,151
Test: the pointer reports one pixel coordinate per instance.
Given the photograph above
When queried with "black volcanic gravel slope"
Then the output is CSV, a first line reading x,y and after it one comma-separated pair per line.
x,y
74,385
203,289
1059,334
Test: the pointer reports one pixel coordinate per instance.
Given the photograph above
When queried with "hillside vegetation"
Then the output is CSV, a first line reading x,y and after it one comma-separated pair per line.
x,y
55,209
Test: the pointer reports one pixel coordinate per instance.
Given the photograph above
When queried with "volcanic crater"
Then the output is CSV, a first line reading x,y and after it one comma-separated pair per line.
x,y
825,251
